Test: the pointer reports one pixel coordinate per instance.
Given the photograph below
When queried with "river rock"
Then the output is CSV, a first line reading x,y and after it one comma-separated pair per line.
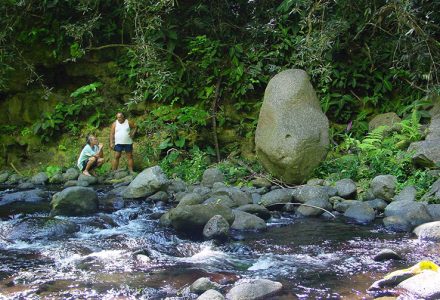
x,y
147,183
71,174
211,295
89,179
425,153
190,199
434,193
346,188
237,196
342,206
306,193
397,223
434,211
159,196
27,185
37,228
203,284
4,177
176,185
39,179
211,176
255,209
428,231
246,221
261,182
14,179
384,187
31,196
222,200
415,213
387,119
377,204
276,198
387,254
292,131
254,289
425,285
216,228
309,211
57,178
361,213
408,193
191,218
74,201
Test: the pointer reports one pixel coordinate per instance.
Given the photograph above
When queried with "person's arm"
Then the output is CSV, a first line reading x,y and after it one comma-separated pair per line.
x,y
133,128
112,135
99,152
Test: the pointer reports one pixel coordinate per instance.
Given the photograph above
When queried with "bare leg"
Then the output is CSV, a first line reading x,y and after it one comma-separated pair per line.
x,y
89,165
130,161
115,162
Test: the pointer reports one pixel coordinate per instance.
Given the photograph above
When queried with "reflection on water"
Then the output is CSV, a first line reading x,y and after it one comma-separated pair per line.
x,y
127,254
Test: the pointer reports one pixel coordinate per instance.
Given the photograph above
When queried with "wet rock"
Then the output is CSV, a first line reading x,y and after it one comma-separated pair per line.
x,y
387,254
305,193
397,223
218,185
309,211
203,284
329,190
384,187
422,286
361,213
74,201
14,179
31,196
82,183
202,191
194,217
212,175
256,198
254,289
111,202
70,183
159,196
190,199
25,186
216,228
406,194
428,231
315,181
276,198
165,219
147,183
57,178
292,132
258,210
211,295
346,188
71,174
245,221
39,179
434,192
342,206
377,204
415,213
434,211
41,228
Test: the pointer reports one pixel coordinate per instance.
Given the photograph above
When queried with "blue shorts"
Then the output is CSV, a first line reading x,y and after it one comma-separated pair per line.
x,y
84,164
123,147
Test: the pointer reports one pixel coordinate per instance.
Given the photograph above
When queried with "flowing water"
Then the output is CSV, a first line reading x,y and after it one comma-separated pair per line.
x,y
126,255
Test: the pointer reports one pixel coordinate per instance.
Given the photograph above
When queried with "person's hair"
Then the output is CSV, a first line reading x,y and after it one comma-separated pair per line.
x,y
89,138
120,112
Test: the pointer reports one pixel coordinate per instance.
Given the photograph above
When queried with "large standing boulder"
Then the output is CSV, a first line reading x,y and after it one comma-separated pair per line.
x,y
74,201
147,183
292,132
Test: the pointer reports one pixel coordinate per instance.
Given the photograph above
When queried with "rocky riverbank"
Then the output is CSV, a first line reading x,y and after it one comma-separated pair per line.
x,y
212,209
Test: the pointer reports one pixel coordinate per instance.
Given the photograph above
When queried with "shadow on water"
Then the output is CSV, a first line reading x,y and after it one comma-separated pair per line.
x,y
127,254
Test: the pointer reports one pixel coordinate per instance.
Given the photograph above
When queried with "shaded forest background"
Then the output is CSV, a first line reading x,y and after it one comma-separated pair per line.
x,y
193,73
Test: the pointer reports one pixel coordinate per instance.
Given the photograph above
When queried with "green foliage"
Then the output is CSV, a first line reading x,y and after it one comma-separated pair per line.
x,y
104,169
52,170
187,165
382,151
66,117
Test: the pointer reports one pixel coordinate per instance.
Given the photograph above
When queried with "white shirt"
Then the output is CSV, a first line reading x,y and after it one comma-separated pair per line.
x,y
122,133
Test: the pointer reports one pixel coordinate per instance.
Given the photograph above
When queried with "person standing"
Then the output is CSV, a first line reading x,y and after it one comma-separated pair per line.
x,y
121,139
91,156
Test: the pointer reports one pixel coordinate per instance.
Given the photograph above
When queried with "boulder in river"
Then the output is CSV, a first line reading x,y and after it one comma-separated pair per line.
x,y
292,132
147,183
74,201
254,289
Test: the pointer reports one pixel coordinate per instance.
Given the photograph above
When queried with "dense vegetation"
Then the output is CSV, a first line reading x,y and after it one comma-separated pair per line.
x,y
200,67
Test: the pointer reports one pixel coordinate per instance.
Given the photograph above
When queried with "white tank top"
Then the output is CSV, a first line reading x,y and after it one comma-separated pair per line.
x,y
122,132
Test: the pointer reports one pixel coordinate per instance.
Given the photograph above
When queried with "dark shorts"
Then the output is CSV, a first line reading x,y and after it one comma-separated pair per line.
x,y
123,147
84,164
